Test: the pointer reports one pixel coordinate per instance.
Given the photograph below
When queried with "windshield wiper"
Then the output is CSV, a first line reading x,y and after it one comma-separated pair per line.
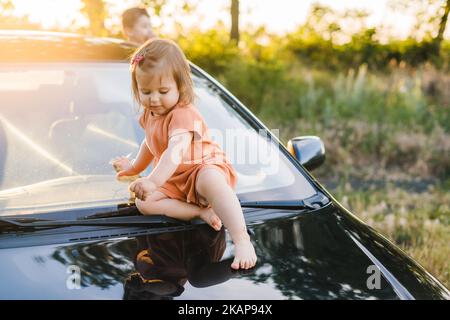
x,y
122,221
315,202
129,217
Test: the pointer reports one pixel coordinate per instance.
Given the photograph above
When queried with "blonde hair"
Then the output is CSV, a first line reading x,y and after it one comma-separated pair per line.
x,y
159,57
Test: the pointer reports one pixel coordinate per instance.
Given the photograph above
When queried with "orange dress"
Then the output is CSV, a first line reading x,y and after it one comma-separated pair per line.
x,y
203,152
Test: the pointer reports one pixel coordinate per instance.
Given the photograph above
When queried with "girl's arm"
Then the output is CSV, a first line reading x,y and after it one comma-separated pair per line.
x,y
143,159
171,158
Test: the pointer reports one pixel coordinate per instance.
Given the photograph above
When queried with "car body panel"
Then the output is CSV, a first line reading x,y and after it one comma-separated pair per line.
x,y
302,255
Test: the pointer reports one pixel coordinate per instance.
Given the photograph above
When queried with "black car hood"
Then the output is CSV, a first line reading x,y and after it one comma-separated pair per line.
x,y
325,254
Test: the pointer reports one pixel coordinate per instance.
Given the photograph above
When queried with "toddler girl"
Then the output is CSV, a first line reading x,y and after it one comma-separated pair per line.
x,y
192,177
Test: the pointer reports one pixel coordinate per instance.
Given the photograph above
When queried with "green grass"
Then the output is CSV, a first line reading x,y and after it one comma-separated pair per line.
x,y
418,222
384,128
377,128
368,151
399,99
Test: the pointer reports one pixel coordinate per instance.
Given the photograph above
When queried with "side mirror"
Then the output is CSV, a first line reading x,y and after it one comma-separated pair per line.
x,y
308,150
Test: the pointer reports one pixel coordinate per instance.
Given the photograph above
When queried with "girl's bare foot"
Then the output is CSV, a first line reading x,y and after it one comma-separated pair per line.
x,y
210,217
245,256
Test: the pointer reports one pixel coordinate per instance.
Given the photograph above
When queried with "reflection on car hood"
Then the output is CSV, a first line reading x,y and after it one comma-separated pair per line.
x,y
308,256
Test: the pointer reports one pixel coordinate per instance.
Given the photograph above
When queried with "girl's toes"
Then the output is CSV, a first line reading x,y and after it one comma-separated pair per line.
x,y
235,264
211,218
217,224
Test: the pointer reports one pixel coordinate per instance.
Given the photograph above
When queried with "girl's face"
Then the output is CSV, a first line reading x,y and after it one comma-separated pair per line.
x,y
157,94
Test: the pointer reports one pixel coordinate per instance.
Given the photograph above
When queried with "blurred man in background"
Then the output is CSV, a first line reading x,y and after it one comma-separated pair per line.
x,y
136,25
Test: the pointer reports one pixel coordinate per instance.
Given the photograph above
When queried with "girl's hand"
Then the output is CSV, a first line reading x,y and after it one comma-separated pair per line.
x,y
142,187
123,167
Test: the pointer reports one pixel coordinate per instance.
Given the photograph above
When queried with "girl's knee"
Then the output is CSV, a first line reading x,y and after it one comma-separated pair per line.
x,y
208,179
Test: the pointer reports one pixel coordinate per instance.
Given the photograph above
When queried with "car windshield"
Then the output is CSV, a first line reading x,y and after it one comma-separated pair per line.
x,y
62,123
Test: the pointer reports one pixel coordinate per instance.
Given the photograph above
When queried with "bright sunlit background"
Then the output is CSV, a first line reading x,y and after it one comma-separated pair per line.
x,y
277,16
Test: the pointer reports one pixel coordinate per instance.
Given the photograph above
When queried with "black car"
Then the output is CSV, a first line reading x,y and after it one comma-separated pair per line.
x,y
70,230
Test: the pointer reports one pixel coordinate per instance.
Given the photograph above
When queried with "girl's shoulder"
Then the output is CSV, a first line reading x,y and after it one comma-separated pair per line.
x,y
143,118
185,109
186,117
185,106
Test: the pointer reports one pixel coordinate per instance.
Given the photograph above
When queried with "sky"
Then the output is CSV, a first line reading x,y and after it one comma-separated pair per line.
x,y
278,16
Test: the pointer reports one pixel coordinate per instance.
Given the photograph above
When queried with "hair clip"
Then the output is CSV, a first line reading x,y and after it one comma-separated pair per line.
x,y
138,58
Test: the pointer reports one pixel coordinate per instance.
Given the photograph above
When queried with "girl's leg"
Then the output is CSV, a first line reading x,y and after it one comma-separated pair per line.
x,y
212,185
159,203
